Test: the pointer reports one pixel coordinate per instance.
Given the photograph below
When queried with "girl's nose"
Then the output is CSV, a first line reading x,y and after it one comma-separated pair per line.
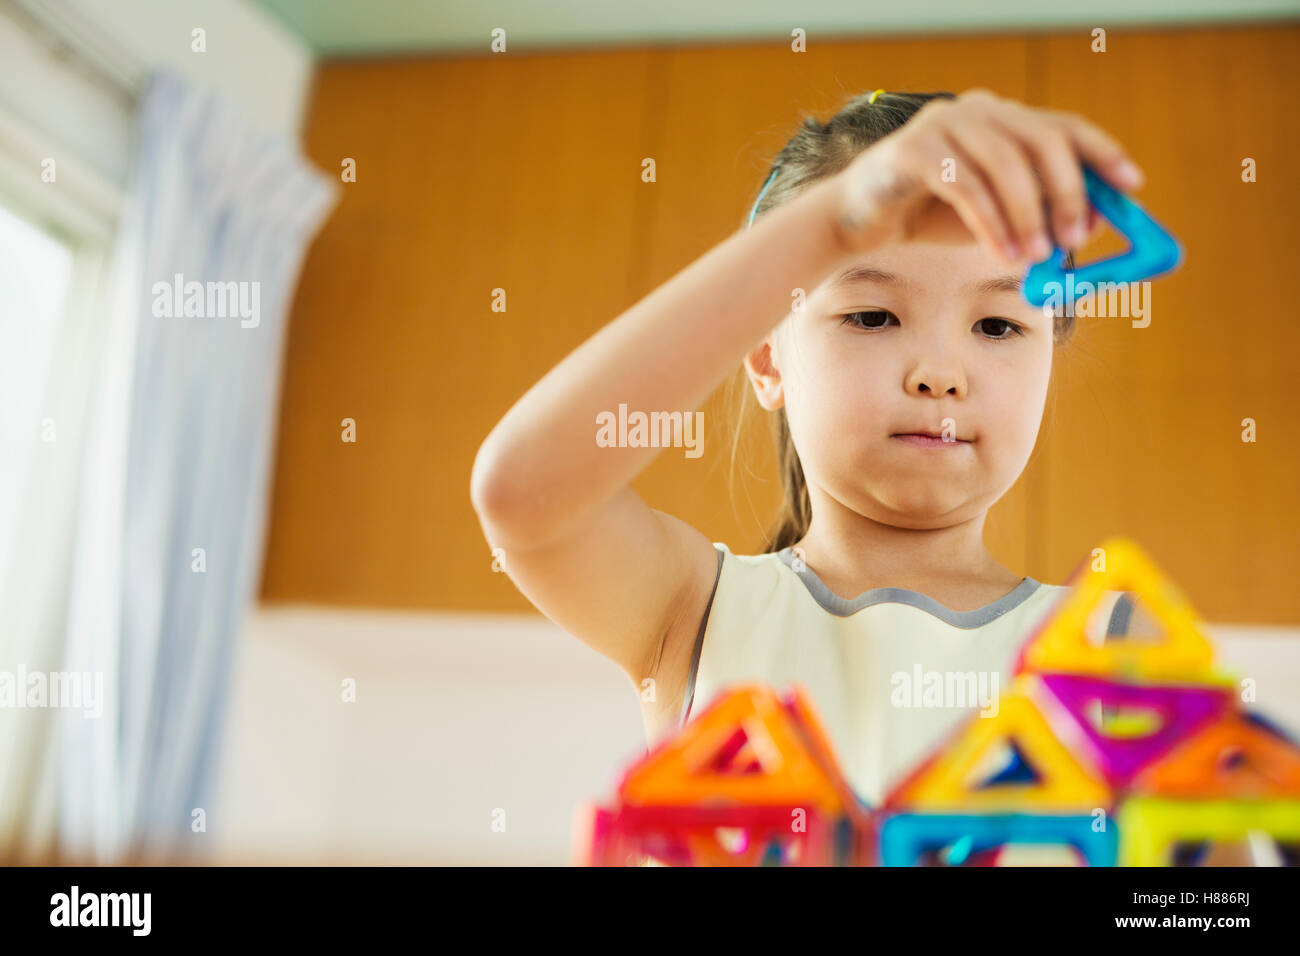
x,y
936,382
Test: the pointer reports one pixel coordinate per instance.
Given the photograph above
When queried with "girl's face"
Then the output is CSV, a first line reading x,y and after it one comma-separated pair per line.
x,y
918,337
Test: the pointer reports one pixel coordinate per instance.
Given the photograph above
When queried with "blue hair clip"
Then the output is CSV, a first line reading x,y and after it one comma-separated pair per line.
x,y
763,192
1153,252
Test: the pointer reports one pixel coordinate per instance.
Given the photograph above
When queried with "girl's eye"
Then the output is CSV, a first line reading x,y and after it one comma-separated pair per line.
x,y
874,319
1001,328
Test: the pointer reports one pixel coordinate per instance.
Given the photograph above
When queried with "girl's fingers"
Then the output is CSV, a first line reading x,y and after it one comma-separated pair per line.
x,y
1004,164
1094,220
1101,151
1018,168
1056,160
975,201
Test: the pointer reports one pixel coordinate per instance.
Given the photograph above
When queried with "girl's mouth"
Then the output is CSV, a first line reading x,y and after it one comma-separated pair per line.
x,y
931,441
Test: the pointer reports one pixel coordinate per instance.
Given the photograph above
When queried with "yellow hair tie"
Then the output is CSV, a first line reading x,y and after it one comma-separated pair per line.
x,y
874,95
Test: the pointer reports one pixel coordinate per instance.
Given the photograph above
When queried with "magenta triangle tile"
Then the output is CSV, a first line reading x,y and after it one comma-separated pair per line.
x,y
1181,711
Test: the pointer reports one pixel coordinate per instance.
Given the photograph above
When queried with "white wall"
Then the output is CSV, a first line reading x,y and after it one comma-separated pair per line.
x,y
457,714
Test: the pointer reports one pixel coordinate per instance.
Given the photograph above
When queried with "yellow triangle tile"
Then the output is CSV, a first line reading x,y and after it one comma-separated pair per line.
x,y
1064,784
1061,644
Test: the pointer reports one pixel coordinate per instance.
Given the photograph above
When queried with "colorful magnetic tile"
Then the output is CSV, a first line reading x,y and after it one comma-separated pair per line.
x,y
1047,776
906,838
1178,711
1183,655
1150,828
1233,757
1153,252
744,748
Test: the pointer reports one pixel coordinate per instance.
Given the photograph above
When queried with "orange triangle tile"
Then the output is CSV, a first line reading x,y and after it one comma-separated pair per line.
x,y
798,703
1232,757
745,748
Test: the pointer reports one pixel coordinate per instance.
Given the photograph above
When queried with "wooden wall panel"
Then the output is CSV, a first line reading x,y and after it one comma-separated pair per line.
x,y
1147,440
516,173
523,172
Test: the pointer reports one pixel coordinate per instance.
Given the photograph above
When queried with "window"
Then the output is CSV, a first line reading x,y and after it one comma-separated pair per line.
x,y
35,273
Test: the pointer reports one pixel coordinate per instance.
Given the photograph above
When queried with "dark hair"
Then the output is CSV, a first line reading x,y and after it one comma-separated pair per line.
x,y
816,151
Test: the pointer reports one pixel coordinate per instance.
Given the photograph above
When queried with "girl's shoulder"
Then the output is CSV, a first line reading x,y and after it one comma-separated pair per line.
x,y
726,550
751,586
770,564
770,575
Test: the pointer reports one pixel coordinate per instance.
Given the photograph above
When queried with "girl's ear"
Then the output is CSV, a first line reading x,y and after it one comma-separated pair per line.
x,y
764,376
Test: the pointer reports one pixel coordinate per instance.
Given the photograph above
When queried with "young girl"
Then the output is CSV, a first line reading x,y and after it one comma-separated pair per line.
x,y
875,304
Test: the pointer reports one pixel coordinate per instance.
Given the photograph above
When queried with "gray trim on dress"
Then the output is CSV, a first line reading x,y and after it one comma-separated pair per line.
x,y
699,643
1120,615
843,607
1118,624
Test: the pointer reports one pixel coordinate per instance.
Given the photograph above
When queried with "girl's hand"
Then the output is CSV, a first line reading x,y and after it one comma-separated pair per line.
x,y
980,165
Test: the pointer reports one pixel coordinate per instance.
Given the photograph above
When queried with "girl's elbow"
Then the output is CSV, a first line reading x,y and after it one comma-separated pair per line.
x,y
489,486
503,503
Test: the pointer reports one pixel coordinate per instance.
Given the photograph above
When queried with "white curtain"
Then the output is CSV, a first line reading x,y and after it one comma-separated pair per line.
x,y
170,520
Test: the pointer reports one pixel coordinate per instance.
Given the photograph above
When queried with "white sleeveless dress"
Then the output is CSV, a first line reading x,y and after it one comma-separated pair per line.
x,y
866,661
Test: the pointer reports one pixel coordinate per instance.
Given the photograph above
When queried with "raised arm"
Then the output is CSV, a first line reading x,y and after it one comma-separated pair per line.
x,y
579,543
633,582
